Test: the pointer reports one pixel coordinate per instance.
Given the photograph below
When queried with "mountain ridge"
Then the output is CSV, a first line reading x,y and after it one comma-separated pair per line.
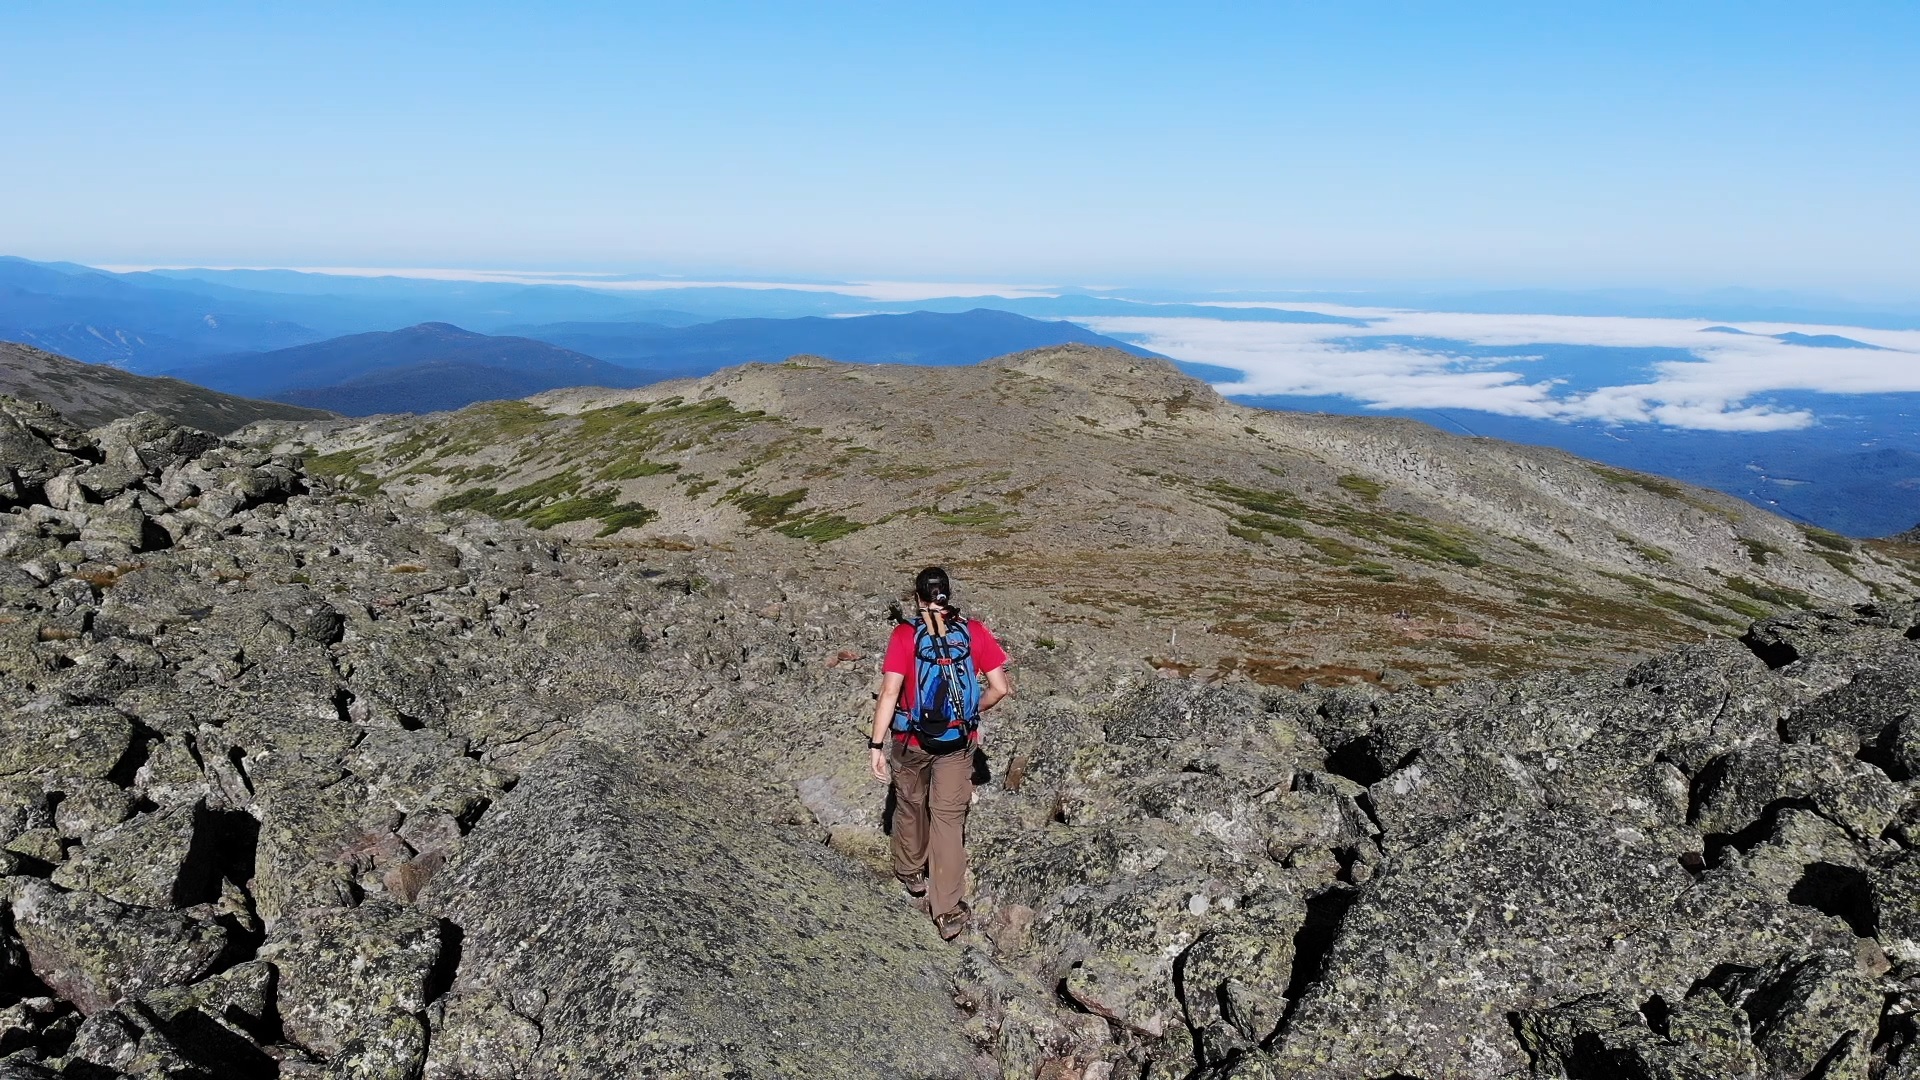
x,y
1109,484
396,356
95,393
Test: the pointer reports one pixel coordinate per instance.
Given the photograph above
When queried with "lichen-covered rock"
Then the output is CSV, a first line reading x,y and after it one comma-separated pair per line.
x,y
93,951
1600,1035
1238,971
318,834
88,806
480,1033
1895,891
220,1021
59,740
393,1048
666,929
127,1043
157,860
342,971
1810,1013
1519,912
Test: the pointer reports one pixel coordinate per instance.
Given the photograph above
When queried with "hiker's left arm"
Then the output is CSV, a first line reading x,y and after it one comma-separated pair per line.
x,y
998,689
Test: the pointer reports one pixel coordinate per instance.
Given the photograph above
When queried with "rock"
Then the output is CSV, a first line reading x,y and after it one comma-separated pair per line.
x,y
343,970
158,860
481,1035
93,952
1737,790
1237,972
63,492
1600,1035
664,931
1810,1012
25,1022
394,1048
1533,911
127,1043
126,526
41,844
148,444
30,459
420,772
221,1021
318,835
63,741
88,806
1895,892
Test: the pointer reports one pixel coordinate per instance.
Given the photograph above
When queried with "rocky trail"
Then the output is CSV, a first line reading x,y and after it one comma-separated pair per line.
x,y
297,779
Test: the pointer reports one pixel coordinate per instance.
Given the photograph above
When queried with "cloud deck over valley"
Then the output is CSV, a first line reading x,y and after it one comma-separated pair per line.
x,y
1677,372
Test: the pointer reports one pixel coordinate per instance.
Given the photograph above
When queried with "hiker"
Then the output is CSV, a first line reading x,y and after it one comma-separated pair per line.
x,y
925,727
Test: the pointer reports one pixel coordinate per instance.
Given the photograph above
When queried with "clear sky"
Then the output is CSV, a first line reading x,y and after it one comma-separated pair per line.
x,y
1257,144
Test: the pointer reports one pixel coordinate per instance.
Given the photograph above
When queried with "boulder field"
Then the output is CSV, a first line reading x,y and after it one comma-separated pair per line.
x,y
301,782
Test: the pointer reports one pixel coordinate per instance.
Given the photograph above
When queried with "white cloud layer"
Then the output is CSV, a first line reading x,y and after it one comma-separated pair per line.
x,y
1713,390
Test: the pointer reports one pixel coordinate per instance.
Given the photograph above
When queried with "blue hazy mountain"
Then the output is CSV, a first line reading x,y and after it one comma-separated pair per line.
x,y
107,318
394,371
341,303
1794,337
440,366
920,337
440,385
1823,341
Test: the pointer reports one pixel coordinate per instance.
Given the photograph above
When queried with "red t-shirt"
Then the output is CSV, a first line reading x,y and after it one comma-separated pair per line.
x,y
987,654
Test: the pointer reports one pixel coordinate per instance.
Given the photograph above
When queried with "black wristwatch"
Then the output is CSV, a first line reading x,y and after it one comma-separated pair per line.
x,y
874,744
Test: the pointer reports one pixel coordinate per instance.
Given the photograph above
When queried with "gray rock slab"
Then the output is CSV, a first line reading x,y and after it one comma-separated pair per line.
x,y
645,917
93,951
81,742
342,971
147,861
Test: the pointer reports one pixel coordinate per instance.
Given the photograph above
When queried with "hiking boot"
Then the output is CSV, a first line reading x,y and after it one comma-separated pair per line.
x,y
952,923
915,887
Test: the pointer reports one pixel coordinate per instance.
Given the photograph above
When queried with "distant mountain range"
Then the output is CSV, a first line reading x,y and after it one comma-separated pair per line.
x,y
421,368
928,338
92,394
437,366
1794,337
242,331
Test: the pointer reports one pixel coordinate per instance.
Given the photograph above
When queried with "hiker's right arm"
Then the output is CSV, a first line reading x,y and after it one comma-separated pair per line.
x,y
890,685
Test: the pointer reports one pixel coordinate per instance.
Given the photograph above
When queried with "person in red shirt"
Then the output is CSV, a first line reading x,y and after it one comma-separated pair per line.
x,y
932,784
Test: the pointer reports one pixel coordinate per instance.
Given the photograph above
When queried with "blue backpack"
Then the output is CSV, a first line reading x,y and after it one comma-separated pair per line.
x,y
946,689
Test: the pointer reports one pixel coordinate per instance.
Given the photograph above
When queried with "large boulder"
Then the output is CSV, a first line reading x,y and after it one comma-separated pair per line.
x,y
342,971
158,860
93,951
58,740
639,915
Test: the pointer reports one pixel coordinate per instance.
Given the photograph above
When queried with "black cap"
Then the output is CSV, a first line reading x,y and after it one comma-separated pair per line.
x,y
931,585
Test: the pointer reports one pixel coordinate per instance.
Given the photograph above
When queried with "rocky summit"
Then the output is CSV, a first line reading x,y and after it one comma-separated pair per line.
x,y
299,778
1118,499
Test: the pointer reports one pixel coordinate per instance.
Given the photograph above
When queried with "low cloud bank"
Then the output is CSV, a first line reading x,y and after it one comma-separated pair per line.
x,y
1712,389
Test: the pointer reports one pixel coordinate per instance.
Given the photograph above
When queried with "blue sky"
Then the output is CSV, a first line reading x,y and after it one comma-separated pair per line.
x,y
1255,145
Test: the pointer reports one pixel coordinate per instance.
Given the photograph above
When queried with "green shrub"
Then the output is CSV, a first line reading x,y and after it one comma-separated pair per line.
x,y
1361,486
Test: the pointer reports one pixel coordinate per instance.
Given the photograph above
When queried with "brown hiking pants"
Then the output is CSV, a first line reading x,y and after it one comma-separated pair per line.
x,y
931,795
